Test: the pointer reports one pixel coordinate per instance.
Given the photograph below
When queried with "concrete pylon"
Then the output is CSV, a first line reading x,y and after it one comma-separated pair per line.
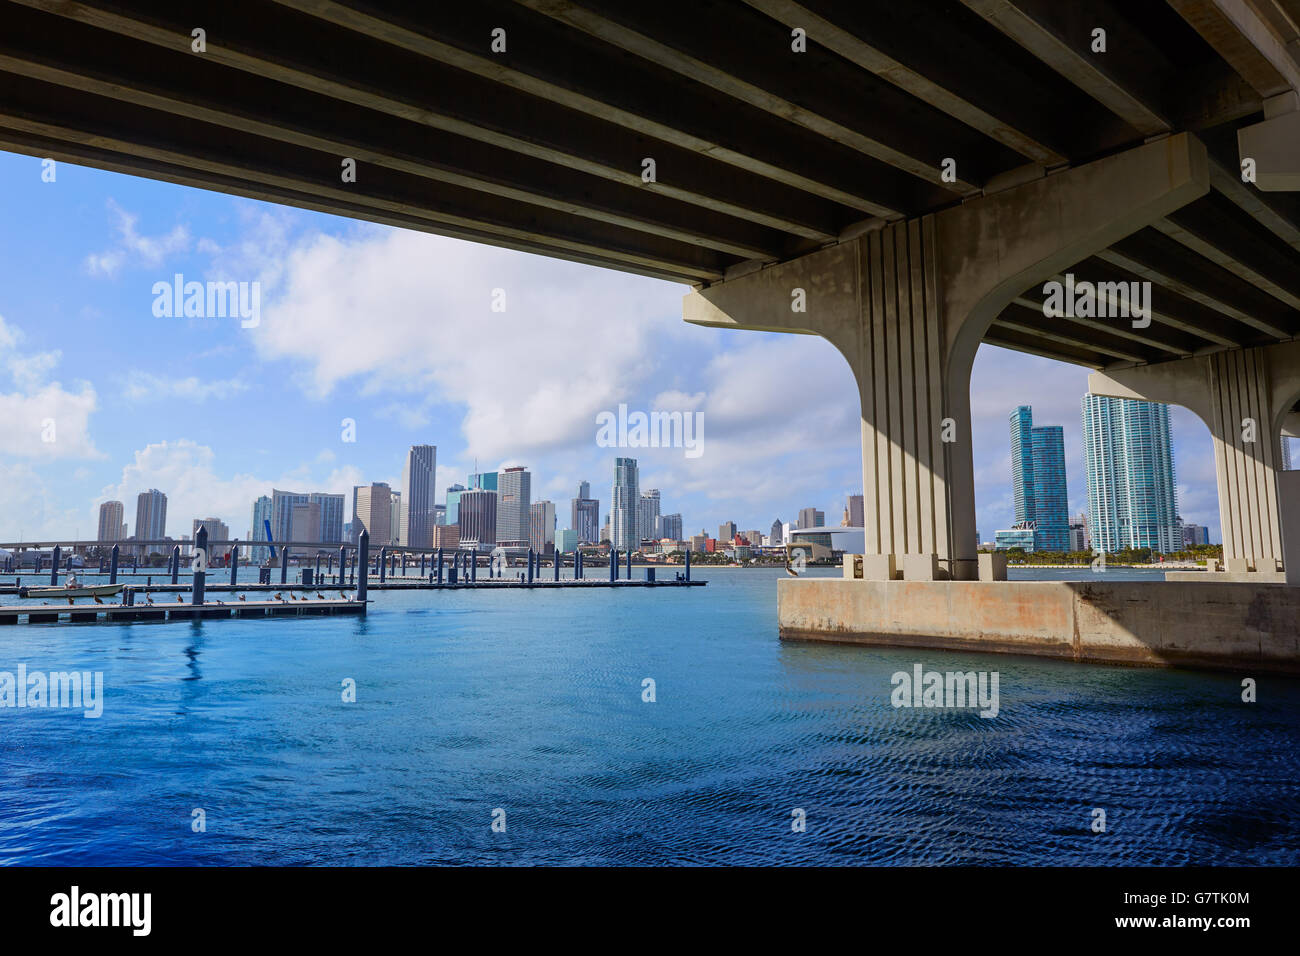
x,y
908,304
1245,397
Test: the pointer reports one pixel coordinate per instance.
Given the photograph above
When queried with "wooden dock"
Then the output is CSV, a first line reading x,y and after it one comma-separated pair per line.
x,y
120,613
374,584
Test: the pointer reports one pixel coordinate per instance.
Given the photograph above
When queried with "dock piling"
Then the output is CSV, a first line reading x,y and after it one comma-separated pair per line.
x,y
112,567
54,566
363,559
200,566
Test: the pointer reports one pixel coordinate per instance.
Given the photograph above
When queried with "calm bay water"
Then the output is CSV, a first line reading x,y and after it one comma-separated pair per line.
x,y
532,702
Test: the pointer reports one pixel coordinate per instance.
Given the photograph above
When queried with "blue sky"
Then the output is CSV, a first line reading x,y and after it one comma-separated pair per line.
x,y
395,331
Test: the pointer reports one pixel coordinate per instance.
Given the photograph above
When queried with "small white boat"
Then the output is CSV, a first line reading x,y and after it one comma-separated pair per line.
x,y
90,590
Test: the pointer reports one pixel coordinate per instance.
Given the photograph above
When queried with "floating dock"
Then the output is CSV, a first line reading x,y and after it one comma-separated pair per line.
x,y
120,613
418,584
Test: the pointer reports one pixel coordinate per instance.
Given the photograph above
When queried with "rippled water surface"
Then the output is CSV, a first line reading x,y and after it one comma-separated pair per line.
x,y
532,702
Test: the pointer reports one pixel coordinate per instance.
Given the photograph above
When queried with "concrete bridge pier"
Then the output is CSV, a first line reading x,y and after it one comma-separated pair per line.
x,y
1246,398
907,304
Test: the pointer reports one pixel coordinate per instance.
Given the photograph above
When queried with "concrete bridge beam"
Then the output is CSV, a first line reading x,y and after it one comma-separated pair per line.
x,y
907,305
1245,397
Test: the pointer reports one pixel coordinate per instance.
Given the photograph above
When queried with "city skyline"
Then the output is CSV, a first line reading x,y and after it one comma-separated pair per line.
x,y
113,360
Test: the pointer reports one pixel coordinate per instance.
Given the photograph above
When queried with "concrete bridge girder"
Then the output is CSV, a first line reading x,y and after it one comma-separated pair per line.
x,y
1246,398
908,305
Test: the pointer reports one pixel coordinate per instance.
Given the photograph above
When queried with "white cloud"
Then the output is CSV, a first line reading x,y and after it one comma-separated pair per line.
x,y
134,249
144,386
28,511
40,419
187,473
407,313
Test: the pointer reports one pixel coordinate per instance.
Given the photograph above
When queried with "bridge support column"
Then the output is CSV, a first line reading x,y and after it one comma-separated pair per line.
x,y
908,304
1245,397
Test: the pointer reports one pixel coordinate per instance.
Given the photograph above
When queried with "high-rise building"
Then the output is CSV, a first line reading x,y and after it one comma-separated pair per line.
x,y
328,528
727,531
1132,498
585,515
1038,480
150,519
439,515
304,522
566,540
648,515
514,489
778,532
416,520
282,503
372,510
262,510
331,517
857,517
1195,534
625,506
218,530
1078,534
811,518
541,526
110,521
394,515
478,519
446,536
1290,454
670,526
1022,463
453,503
483,481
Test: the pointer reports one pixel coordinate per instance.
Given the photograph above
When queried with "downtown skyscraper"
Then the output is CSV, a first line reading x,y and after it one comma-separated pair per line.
x,y
111,514
151,518
263,511
625,506
514,494
648,516
1038,480
1132,498
416,511
585,515
372,510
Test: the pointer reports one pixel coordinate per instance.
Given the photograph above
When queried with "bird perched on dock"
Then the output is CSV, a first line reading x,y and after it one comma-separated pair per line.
x,y
292,598
278,597
70,601
319,595
180,599
97,600
241,597
148,598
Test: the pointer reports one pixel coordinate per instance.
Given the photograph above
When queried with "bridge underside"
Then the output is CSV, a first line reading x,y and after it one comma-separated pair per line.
x,y
761,153
939,159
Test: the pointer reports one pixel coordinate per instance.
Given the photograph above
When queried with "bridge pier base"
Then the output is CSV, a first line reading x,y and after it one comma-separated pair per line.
x,y
908,303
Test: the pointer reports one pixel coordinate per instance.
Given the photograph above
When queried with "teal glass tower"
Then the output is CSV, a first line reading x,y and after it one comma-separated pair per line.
x,y
1038,480
1132,498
